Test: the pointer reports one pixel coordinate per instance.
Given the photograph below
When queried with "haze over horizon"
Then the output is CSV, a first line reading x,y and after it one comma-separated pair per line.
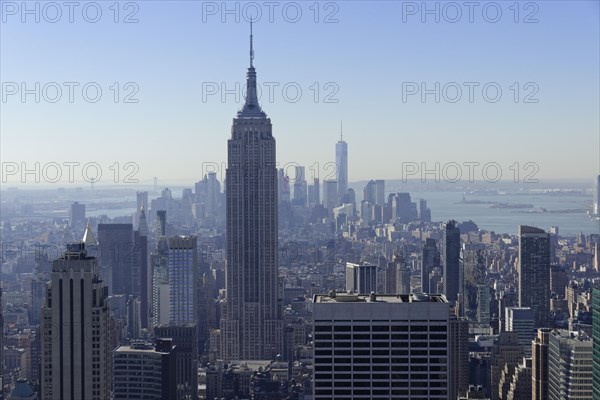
x,y
357,64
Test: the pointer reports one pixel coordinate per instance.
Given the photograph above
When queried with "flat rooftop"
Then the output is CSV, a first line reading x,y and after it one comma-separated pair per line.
x,y
343,298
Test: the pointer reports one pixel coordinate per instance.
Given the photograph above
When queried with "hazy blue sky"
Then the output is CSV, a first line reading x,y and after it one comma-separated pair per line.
x,y
370,56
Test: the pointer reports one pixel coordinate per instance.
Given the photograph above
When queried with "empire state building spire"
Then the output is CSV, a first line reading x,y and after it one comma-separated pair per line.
x,y
251,107
251,48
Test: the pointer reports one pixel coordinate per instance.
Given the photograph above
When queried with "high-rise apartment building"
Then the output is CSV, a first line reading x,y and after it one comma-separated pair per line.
x,y
183,278
381,347
534,273
142,371
450,260
160,283
251,323
74,330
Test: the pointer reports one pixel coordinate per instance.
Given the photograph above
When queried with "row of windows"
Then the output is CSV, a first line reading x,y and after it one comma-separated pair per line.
x,y
428,380
380,352
385,344
367,368
375,392
380,328
380,336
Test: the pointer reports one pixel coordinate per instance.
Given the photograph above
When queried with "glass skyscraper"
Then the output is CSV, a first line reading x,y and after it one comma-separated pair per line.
x,y
341,163
534,273
183,276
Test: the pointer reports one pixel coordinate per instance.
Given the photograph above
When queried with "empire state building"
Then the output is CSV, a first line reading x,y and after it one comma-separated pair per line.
x,y
251,326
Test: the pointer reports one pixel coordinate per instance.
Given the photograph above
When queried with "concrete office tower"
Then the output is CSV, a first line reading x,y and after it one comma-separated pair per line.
x,y
569,361
596,209
365,347
397,276
505,351
520,320
330,194
539,364
77,215
341,163
534,273
185,342
450,260
430,258
143,371
115,251
74,329
251,323
361,278
183,278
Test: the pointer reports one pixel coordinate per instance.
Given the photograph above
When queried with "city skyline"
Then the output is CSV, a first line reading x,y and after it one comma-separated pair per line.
x,y
453,253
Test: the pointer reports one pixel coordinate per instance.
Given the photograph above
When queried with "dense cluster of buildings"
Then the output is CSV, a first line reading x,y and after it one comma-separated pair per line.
x,y
268,290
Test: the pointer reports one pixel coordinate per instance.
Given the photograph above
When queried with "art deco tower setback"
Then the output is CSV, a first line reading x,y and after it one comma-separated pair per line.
x,y
251,326
75,360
